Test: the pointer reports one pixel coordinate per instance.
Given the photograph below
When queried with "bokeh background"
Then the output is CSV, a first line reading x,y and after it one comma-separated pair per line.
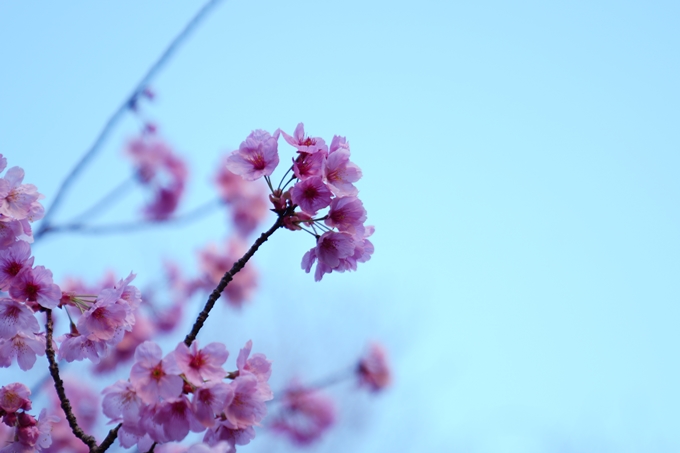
x,y
520,164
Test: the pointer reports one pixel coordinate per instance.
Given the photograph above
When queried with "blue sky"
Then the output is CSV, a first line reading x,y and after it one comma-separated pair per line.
x,y
520,164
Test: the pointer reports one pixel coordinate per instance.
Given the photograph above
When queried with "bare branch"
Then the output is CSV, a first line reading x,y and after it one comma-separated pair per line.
x,y
122,109
128,227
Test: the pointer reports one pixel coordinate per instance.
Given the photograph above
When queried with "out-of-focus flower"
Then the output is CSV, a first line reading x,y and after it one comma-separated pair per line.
x,y
373,369
159,168
305,415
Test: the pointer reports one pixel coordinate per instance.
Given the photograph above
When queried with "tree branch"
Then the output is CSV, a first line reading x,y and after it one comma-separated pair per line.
x,y
228,276
59,386
122,109
181,219
106,443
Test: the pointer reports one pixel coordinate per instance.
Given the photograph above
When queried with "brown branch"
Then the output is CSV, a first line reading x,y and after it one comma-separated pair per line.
x,y
110,437
228,276
59,386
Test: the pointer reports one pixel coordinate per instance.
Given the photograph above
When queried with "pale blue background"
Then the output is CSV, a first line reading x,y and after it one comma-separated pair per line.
x,y
520,163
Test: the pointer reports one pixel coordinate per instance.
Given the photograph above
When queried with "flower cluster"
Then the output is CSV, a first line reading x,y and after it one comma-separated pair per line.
x,y
154,405
102,323
323,178
30,288
29,435
159,168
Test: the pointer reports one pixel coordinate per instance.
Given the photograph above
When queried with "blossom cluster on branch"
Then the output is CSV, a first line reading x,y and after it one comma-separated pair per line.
x,y
188,390
323,178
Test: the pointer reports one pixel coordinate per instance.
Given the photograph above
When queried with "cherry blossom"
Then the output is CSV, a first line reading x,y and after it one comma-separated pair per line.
x,y
201,365
14,397
305,144
373,369
209,401
347,214
256,157
150,375
18,198
311,194
159,168
13,260
35,285
305,415
23,346
15,318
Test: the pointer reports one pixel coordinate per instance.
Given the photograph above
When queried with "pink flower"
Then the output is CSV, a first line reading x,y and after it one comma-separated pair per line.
x,y
176,418
247,213
164,203
15,318
373,369
333,247
256,157
338,143
305,416
347,214
31,435
248,200
209,400
224,431
14,397
362,251
23,346
104,321
257,365
311,194
247,408
339,173
304,144
35,285
74,346
152,376
123,294
121,402
161,169
45,426
19,198
307,165
14,230
13,260
334,252
201,365
125,350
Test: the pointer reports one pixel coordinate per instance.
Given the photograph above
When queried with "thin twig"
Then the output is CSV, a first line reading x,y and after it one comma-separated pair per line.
x,y
328,381
59,386
122,109
181,219
228,276
106,443
106,201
